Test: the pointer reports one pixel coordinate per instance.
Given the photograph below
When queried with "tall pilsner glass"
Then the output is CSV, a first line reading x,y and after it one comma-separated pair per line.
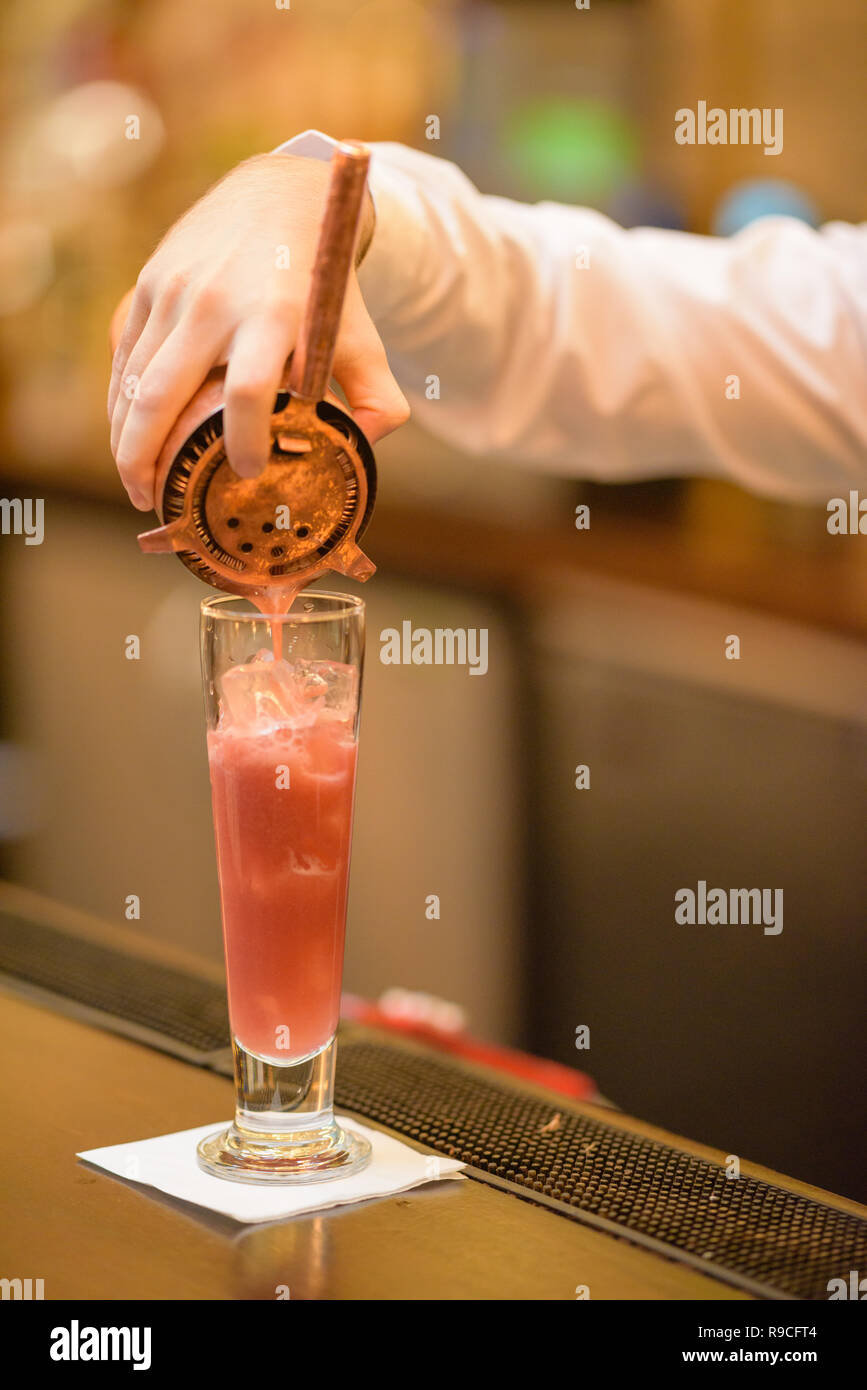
x,y
282,702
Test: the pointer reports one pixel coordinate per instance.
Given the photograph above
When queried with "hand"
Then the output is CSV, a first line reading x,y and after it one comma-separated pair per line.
x,y
215,291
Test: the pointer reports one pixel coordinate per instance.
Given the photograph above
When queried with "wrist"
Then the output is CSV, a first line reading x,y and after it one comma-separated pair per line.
x,y
313,147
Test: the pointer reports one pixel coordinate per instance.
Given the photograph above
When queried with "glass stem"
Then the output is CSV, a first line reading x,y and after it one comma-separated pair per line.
x,y
286,1100
284,1128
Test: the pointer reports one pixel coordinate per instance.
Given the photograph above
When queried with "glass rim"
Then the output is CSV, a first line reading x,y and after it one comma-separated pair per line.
x,y
218,607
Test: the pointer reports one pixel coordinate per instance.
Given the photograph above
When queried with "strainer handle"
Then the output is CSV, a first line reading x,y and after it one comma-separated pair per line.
x,y
310,371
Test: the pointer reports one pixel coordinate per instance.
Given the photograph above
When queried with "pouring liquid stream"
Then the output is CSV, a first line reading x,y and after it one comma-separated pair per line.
x,y
275,607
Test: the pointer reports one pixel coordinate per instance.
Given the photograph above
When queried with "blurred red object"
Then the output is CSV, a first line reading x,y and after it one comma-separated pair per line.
x,y
442,1025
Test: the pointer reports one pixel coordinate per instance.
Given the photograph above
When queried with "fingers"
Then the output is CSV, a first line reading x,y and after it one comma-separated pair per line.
x,y
136,319
361,367
153,335
165,354
256,361
167,384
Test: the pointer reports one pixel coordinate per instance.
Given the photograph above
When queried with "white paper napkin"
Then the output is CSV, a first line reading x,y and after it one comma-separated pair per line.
x,y
169,1164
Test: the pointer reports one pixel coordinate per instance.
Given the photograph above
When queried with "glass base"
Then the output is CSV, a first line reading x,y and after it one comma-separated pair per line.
x,y
284,1129
313,1156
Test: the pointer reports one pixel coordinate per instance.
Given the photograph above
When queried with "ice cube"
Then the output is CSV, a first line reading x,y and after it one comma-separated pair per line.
x,y
309,865
331,685
264,694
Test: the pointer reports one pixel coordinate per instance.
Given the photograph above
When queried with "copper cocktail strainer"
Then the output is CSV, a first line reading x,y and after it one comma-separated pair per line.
x,y
305,512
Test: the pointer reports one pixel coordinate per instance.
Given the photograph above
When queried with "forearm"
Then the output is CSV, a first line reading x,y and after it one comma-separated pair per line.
x,y
551,336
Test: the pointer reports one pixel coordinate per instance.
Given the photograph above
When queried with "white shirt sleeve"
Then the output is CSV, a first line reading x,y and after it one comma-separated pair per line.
x,y
550,335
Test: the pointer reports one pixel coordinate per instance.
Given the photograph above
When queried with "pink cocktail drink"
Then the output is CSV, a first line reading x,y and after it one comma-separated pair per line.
x,y
282,706
282,762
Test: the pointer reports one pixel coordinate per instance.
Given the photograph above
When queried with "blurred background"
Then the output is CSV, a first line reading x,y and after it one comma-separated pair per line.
x,y
605,645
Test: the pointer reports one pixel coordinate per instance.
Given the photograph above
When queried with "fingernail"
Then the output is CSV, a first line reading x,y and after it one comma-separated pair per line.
x,y
247,468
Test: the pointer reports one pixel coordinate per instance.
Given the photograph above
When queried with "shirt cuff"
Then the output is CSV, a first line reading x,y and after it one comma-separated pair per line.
x,y
310,144
313,144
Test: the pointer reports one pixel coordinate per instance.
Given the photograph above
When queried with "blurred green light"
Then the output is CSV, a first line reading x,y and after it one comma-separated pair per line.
x,y
572,150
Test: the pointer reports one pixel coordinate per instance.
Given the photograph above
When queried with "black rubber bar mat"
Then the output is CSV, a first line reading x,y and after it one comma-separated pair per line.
x,y
762,1238
189,1013
749,1233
